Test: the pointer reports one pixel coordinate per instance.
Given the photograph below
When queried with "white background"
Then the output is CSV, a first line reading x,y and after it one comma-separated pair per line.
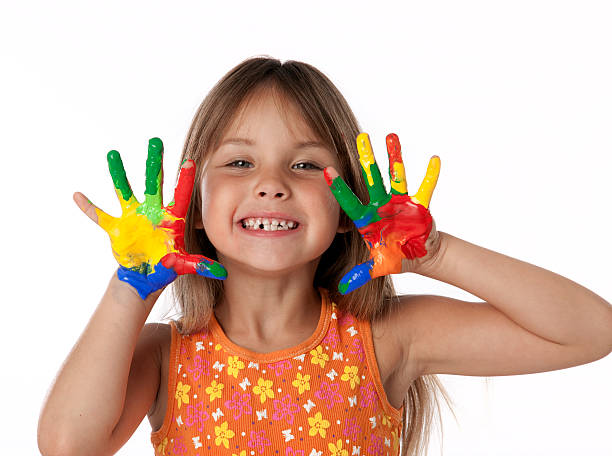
x,y
515,97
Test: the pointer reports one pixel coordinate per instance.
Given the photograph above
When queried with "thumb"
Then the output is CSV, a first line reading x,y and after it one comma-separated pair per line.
x,y
356,277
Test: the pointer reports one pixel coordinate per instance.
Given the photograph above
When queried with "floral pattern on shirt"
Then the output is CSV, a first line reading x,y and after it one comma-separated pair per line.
x,y
321,401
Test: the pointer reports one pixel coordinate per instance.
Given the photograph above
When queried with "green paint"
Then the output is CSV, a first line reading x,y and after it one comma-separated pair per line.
x,y
152,209
117,172
342,287
154,167
347,199
377,190
217,270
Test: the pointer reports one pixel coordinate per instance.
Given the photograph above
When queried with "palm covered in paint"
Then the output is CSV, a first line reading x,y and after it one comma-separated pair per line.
x,y
397,228
148,239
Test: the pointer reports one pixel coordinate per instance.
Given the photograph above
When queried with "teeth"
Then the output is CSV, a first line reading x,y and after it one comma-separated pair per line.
x,y
268,224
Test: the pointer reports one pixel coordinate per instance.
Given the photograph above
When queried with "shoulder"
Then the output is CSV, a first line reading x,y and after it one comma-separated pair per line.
x,y
391,338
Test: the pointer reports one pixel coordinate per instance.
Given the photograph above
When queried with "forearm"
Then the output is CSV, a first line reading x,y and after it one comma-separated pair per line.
x,y
542,302
87,397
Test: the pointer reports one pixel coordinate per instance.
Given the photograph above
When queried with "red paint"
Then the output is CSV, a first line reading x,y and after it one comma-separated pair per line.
x,y
401,233
183,190
328,178
394,149
183,263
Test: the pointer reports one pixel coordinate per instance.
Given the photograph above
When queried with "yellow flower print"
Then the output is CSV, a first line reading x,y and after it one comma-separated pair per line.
x,y
264,389
318,357
181,394
395,441
218,347
337,450
242,453
234,365
302,383
161,448
350,374
223,435
318,425
386,420
214,390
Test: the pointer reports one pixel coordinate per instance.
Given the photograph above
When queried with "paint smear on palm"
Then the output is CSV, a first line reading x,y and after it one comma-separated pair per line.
x,y
152,232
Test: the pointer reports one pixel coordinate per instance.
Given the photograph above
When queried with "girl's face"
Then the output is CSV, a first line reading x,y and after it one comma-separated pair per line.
x,y
266,204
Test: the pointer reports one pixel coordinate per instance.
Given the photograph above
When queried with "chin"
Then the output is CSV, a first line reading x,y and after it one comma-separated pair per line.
x,y
268,265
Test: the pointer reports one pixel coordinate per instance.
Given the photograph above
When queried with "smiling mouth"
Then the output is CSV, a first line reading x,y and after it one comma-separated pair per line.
x,y
268,224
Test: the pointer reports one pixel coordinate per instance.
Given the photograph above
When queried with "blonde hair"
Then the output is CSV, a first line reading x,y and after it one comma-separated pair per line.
x,y
329,116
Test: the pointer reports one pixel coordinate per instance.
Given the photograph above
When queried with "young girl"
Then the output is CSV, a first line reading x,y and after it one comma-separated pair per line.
x,y
291,339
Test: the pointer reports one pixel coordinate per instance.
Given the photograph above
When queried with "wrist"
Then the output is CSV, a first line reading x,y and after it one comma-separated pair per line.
x,y
126,294
429,267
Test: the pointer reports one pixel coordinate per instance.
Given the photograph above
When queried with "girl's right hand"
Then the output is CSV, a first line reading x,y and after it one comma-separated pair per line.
x,y
148,239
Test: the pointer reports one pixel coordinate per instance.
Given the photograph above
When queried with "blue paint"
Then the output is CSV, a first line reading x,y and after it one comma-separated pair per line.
x,y
356,277
145,284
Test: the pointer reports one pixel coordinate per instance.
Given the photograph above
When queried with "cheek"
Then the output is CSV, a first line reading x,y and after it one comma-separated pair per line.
x,y
329,207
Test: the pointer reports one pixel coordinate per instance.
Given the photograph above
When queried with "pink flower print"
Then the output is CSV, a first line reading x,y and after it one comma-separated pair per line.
x,y
179,446
332,337
200,366
329,394
258,441
376,445
240,402
291,452
368,396
284,408
358,349
195,414
280,367
346,319
351,428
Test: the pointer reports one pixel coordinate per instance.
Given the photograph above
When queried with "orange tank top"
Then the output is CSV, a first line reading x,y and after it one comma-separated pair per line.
x,y
322,397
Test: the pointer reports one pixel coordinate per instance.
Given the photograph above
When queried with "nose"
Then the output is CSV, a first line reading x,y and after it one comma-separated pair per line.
x,y
272,187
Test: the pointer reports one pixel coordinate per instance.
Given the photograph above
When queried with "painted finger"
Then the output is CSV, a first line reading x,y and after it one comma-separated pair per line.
x,y
397,174
184,188
371,173
347,200
423,196
194,264
154,175
122,186
90,209
356,277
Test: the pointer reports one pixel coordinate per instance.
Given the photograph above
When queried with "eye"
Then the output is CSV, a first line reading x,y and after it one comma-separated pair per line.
x,y
306,166
240,164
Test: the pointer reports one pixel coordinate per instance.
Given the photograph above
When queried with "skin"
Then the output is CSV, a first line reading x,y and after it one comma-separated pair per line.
x,y
396,227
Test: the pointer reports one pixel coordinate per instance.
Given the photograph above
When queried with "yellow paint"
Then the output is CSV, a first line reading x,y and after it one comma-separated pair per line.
x,y
423,196
135,241
366,156
398,180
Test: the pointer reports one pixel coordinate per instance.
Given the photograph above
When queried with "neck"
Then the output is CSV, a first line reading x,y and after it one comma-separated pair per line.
x,y
264,307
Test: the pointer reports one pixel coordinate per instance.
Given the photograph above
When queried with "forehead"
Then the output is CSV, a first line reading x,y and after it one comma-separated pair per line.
x,y
268,107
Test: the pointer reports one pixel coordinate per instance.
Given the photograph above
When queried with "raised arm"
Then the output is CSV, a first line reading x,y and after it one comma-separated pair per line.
x,y
530,320
111,377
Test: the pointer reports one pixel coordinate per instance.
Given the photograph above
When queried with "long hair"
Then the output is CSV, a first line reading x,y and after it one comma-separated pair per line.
x,y
329,116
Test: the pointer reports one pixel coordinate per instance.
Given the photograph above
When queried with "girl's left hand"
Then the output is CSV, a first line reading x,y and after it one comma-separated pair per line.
x,y
397,228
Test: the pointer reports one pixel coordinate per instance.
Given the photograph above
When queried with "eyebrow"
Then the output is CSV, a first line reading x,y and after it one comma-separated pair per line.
x,y
248,142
